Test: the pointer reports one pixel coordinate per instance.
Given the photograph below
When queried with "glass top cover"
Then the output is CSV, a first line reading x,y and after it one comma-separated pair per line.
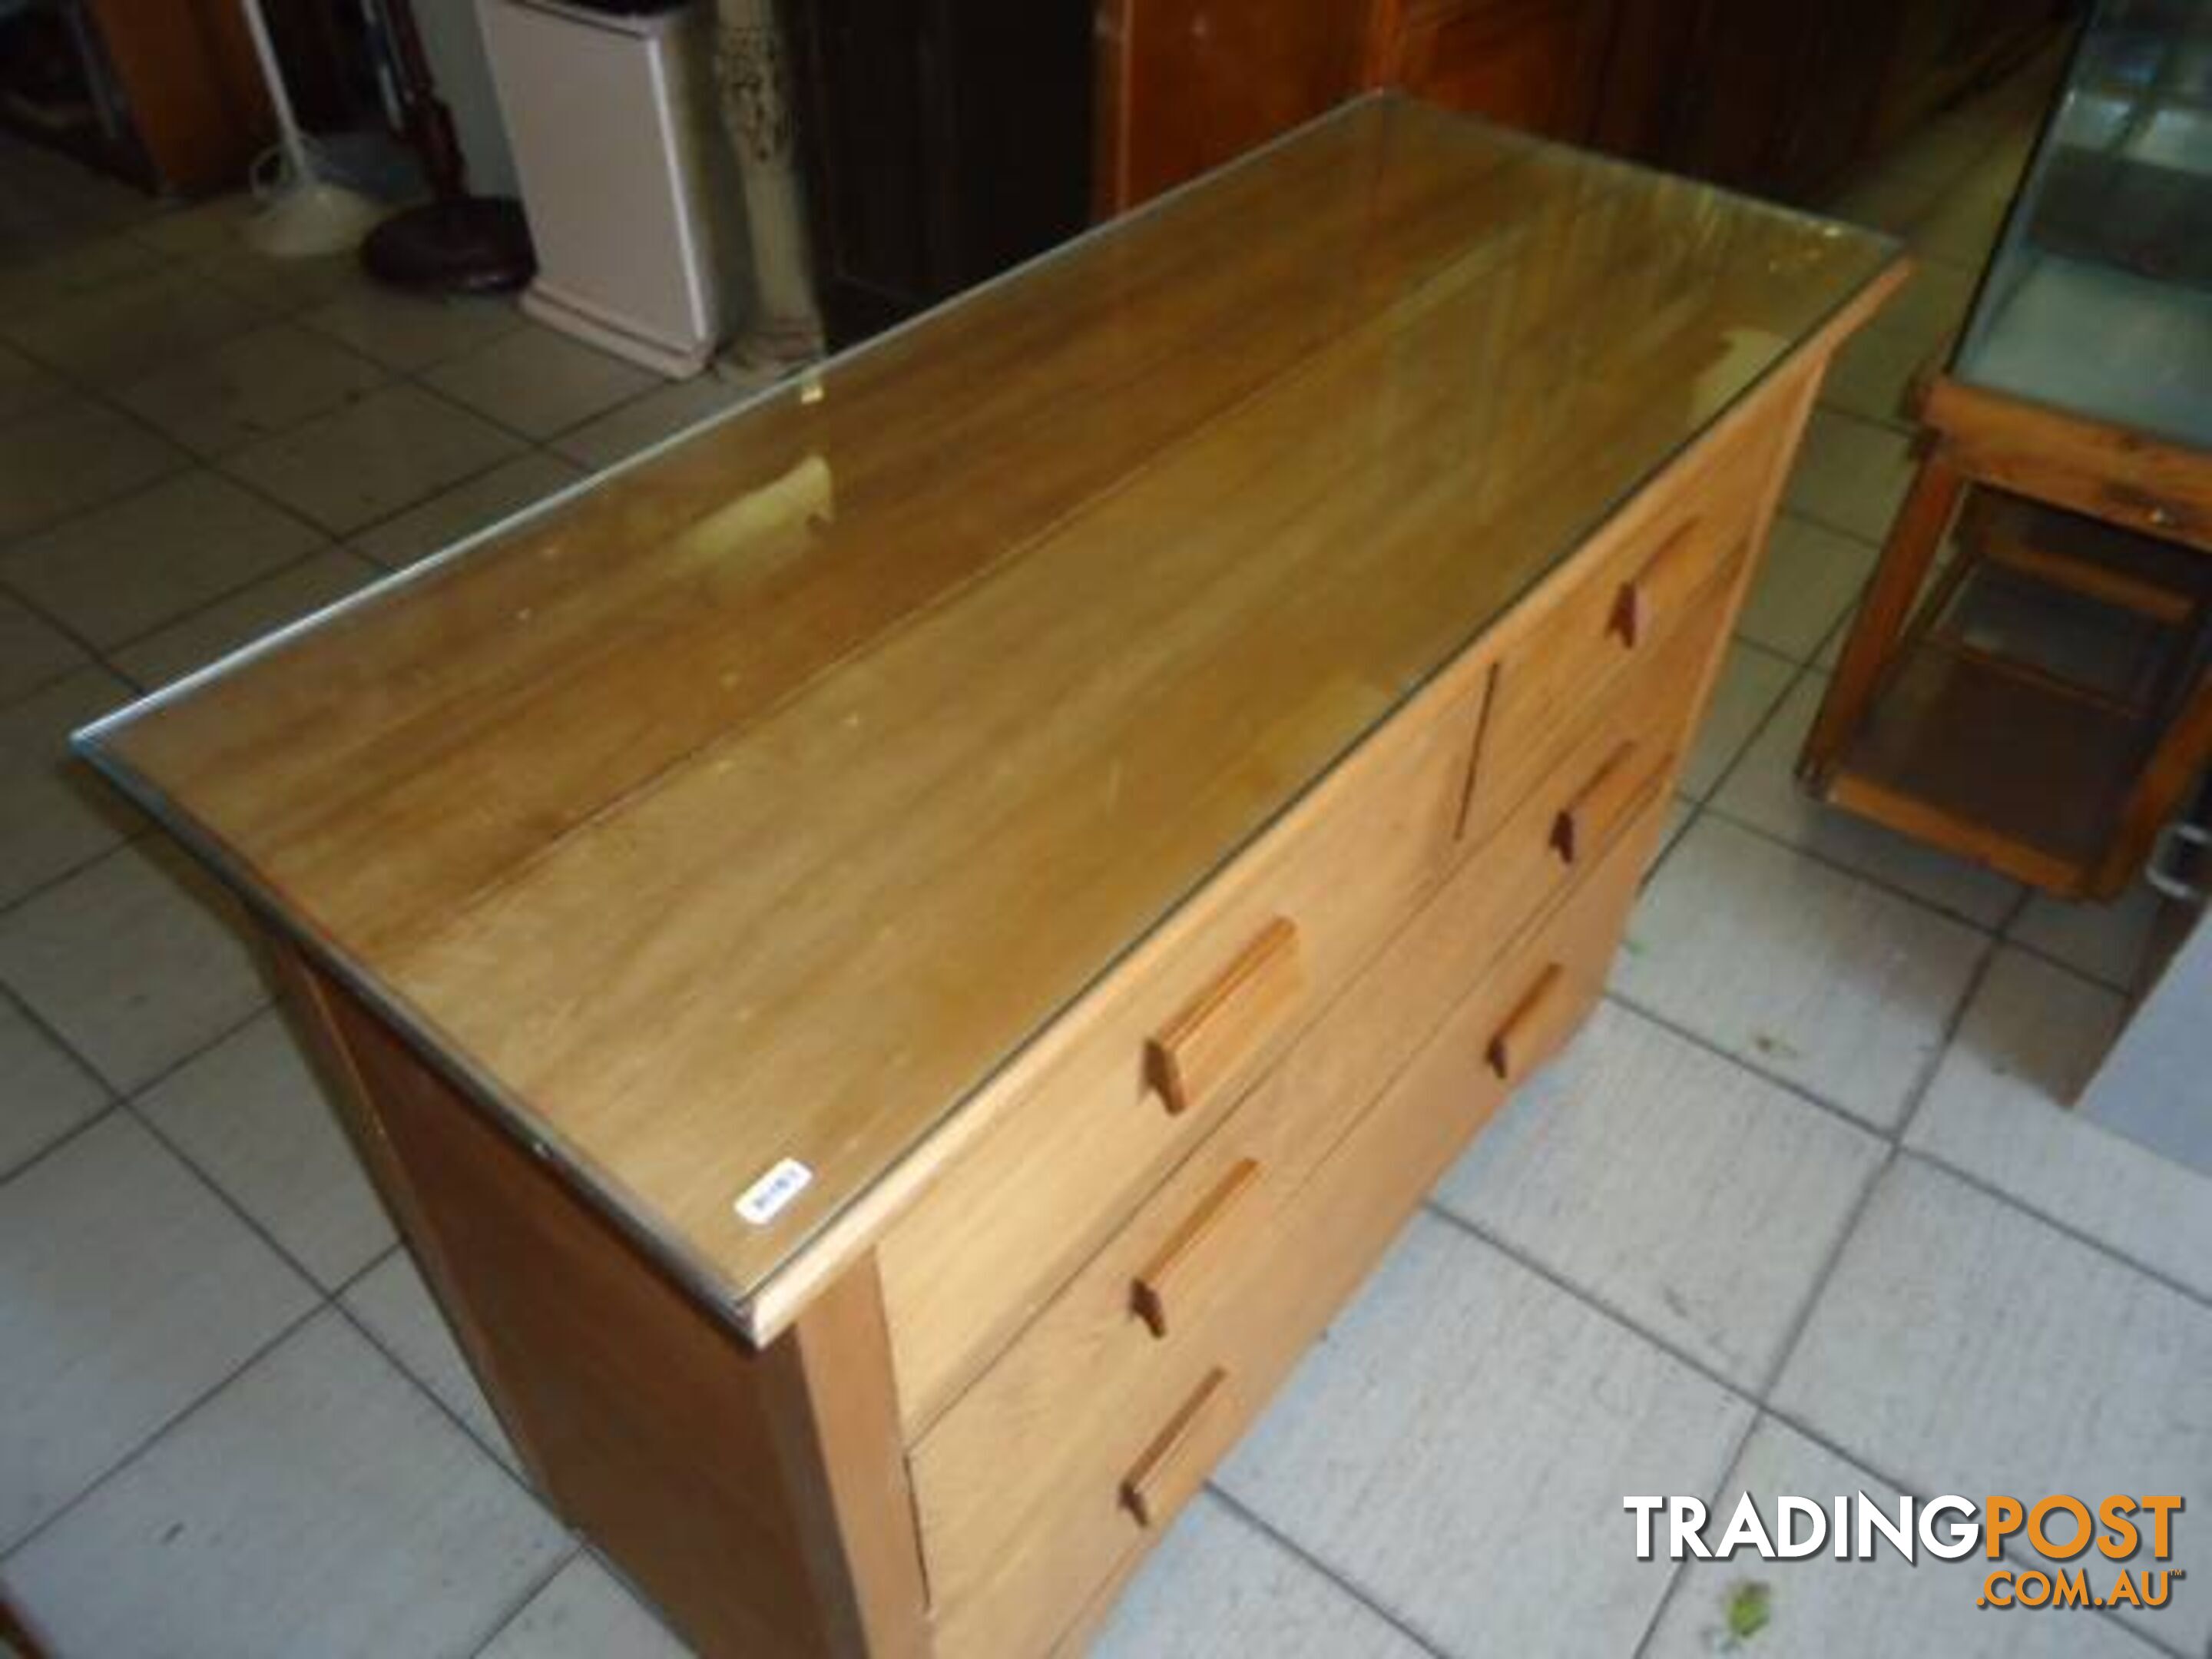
x,y
760,799
2099,301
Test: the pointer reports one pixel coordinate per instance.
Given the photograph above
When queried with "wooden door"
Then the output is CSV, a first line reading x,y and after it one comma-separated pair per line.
x,y
943,141
1538,64
1185,85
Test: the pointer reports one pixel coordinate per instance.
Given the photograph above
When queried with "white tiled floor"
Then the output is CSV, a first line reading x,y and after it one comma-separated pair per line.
x,y
231,1421
1801,1211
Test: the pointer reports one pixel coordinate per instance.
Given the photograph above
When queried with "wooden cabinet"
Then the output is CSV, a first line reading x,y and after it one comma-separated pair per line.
x,y
1785,100
187,77
942,140
1185,85
1780,99
993,881
1536,65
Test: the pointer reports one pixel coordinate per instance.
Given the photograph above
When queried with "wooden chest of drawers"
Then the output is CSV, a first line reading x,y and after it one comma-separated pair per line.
x,y
896,961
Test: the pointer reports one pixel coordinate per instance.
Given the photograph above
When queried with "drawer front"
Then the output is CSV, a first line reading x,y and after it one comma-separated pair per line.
x,y
1665,564
1166,1047
1149,1282
1121,1455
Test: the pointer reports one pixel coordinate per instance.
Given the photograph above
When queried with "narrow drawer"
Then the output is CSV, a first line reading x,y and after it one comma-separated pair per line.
x,y
1155,1056
1113,1457
1662,564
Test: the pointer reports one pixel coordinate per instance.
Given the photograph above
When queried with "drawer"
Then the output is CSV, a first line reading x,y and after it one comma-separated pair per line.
x,y
1128,1445
1152,1279
1664,561
1152,1060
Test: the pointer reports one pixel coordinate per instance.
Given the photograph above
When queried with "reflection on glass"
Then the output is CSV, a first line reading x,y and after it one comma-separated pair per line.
x,y
2100,299
762,800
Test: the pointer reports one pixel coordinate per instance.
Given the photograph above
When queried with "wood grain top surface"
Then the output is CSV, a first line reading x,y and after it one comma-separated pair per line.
x,y
759,801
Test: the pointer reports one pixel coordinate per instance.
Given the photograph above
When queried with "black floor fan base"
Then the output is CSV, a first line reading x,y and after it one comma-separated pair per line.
x,y
464,244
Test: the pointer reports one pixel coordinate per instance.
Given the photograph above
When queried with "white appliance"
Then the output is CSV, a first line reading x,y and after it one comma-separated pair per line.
x,y
631,194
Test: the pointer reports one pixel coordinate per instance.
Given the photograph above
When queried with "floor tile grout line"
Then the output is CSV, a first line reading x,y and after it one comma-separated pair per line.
x,y
351,539
537,1588
1955,1022
1828,861
1298,1552
1696,810
1830,525
1741,753
2112,1253
1803,1092
39,610
267,1002
15,699
28,343
14,588
613,1569
214,601
224,1197
45,1028
1742,746
1712,1497
415,376
1762,1401
367,1334
120,1093
317,1306
1786,509
420,377
1899,1137
62,878
224,468
1590,1297
1816,1292
2050,958
352,1280
74,1131
322,1302
1816,1289
111,400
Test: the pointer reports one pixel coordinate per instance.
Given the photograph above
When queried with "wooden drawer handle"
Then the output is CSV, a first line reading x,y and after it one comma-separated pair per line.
x,y
1636,610
1230,1021
1535,1020
1177,1462
1177,1277
1586,823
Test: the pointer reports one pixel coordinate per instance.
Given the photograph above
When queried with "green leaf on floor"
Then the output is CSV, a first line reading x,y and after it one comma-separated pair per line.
x,y
1775,1048
1749,1607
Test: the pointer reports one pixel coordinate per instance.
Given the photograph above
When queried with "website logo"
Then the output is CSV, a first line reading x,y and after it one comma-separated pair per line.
x,y
2093,1547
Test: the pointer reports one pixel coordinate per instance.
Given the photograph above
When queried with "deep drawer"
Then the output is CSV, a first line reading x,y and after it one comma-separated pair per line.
x,y
983,1469
1114,1462
1153,1060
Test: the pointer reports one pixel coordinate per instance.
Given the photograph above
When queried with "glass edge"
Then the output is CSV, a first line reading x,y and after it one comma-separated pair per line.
x,y
1973,326
600,1189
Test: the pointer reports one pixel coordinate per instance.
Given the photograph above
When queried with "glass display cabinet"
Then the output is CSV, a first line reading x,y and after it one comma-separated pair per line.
x,y
2040,702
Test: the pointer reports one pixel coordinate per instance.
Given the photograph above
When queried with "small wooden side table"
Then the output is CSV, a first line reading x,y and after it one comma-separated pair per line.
x,y
2003,764
2074,426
